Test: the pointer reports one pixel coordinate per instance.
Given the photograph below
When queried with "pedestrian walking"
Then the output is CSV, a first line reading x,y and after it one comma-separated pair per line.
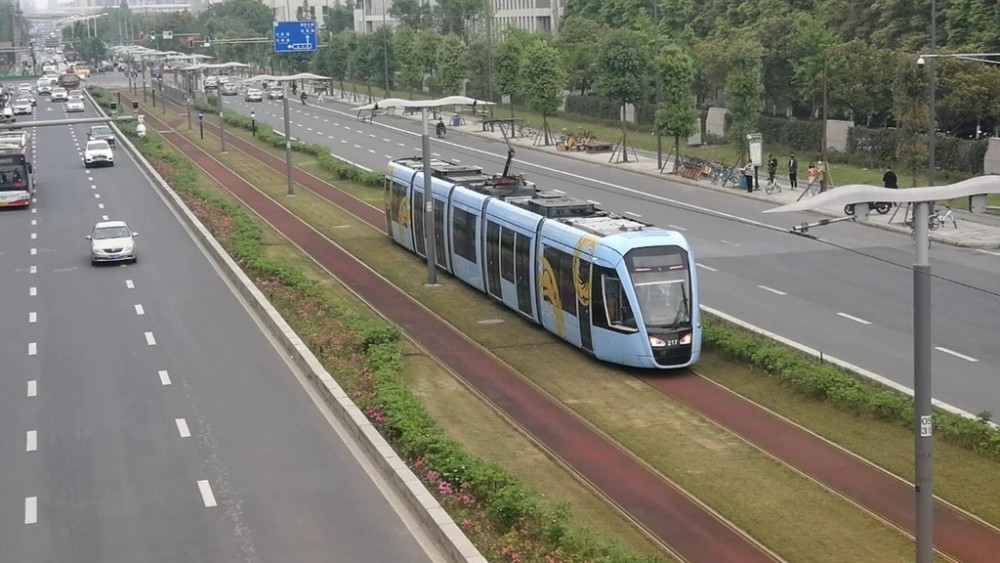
x,y
811,175
889,179
793,171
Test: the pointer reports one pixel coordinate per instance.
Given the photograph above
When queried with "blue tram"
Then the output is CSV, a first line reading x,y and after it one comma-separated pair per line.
x,y
622,290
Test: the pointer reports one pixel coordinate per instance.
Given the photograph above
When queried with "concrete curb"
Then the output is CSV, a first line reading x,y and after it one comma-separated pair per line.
x,y
432,515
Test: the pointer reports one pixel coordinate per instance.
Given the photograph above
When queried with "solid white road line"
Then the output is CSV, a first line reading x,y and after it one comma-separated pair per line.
x,y
633,214
31,441
206,494
182,428
129,284
31,510
853,318
594,202
32,388
704,267
32,348
772,290
988,252
150,340
139,310
32,291
164,377
32,317
956,354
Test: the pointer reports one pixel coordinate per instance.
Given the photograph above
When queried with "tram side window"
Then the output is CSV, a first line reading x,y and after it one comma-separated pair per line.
x,y
398,193
617,309
464,234
507,238
439,237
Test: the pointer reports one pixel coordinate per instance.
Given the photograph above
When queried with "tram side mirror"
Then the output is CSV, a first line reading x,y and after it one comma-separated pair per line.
x,y
30,169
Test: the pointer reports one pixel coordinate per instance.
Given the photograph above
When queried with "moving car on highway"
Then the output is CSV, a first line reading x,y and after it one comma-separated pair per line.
x,y
22,106
59,95
253,95
275,94
98,153
229,89
75,104
101,133
112,241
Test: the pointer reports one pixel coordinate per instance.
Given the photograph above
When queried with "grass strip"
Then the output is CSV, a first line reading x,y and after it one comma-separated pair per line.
x,y
505,519
701,457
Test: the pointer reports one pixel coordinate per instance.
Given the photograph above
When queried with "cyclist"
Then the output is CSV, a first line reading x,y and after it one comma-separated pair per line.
x,y
303,97
440,129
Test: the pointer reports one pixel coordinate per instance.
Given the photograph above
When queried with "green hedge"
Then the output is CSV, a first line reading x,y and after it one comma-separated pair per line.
x,y
516,511
844,389
337,168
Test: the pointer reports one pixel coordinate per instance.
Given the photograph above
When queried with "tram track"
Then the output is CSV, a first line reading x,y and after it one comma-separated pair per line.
x,y
959,536
672,517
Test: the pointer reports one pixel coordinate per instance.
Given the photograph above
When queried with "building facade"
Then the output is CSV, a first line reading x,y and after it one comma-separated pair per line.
x,y
529,15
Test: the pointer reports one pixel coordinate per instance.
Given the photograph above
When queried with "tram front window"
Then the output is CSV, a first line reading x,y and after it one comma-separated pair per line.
x,y
662,285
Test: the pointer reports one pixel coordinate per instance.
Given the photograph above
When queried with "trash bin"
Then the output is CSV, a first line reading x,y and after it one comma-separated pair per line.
x,y
456,120
743,181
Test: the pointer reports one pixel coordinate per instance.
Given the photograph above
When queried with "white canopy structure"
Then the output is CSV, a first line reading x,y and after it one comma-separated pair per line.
x,y
285,78
858,193
426,104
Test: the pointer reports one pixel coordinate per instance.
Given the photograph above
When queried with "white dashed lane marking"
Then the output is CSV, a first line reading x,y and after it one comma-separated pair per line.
x,y
31,441
34,236
32,317
772,290
956,354
31,510
32,348
129,284
182,428
150,339
139,310
34,251
704,267
853,318
206,494
32,291
32,388
164,377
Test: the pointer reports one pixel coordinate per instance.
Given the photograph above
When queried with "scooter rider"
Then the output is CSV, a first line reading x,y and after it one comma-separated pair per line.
x,y
303,97
440,128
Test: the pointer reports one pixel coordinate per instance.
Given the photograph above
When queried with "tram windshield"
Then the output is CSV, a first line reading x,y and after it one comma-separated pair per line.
x,y
662,285
13,177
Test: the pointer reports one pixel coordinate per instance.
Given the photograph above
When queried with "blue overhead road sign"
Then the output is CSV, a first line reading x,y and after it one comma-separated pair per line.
x,y
295,37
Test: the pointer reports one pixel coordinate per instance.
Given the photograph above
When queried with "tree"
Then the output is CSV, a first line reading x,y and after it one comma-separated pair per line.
x,y
412,14
383,61
909,106
451,65
543,78
339,17
92,49
479,66
623,72
677,114
362,59
411,70
508,61
744,89
454,16
575,42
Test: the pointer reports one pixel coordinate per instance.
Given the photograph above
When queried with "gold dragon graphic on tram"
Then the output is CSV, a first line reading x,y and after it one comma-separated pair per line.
x,y
586,245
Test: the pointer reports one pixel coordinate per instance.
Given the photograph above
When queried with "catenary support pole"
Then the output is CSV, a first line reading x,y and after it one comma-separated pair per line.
x,y
429,248
222,120
923,432
288,139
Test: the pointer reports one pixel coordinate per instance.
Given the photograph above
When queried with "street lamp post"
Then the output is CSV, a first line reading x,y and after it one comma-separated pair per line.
x,y
288,138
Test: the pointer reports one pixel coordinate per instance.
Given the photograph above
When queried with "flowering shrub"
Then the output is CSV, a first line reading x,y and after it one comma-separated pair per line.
x,y
502,517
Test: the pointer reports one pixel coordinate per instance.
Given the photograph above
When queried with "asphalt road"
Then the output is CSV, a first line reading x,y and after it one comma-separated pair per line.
x,y
849,297
143,414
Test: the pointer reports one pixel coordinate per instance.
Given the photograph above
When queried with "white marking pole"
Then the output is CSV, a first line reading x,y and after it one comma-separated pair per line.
x,y
32,388
31,441
182,428
206,494
853,318
150,339
164,377
31,510
956,354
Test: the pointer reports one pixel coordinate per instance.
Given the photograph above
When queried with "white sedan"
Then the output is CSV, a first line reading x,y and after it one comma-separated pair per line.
x,y
75,105
112,241
22,107
59,95
98,153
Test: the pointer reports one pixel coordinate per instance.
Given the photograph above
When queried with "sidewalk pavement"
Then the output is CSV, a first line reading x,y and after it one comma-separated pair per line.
x,y
974,230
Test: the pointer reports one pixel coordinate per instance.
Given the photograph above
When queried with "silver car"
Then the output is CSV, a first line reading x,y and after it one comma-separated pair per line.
x,y
112,241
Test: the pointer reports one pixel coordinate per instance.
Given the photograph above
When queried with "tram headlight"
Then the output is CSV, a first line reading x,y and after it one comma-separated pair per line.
x,y
656,342
686,338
